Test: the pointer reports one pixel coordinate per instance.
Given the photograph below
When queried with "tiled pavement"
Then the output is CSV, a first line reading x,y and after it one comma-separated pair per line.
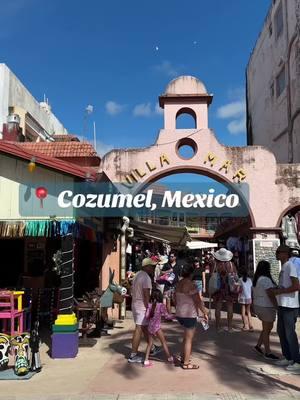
x,y
229,370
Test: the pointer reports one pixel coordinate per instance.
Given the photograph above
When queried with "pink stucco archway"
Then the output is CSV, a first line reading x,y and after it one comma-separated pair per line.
x,y
272,187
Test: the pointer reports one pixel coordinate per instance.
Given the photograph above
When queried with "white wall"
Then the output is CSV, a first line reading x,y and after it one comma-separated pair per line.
x,y
269,114
14,93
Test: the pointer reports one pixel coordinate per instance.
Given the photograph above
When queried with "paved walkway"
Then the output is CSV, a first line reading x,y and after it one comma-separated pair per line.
x,y
229,370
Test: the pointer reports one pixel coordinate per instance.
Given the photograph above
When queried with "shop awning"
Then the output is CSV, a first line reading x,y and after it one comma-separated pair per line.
x,y
175,236
198,244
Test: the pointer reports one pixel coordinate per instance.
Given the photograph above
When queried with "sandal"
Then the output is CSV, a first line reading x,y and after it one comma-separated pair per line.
x,y
147,364
180,359
190,366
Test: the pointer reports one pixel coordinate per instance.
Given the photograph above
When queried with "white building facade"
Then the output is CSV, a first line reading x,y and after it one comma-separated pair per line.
x,y
36,119
273,83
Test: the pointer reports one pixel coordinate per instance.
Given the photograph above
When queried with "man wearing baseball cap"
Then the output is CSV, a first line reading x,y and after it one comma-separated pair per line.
x,y
288,307
140,293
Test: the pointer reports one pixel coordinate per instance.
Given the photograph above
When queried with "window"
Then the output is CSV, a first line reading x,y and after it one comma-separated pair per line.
x,y
279,21
280,82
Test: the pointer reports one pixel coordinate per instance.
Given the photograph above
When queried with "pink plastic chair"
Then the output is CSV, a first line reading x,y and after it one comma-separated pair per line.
x,y
9,313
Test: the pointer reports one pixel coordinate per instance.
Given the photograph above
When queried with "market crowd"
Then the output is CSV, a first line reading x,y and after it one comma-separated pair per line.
x,y
162,283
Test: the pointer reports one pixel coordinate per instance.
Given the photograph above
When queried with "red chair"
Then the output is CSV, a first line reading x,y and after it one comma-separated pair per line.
x,y
8,313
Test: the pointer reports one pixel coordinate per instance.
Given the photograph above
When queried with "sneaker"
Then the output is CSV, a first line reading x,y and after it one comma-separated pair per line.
x,y
155,350
258,350
171,360
294,368
270,356
135,359
283,362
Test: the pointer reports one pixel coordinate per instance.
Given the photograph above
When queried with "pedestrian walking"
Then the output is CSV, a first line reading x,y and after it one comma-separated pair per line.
x,y
140,293
287,296
188,307
169,288
245,299
199,276
155,310
265,306
228,286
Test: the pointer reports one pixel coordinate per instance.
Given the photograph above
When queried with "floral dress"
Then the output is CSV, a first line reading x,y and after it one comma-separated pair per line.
x,y
224,294
155,322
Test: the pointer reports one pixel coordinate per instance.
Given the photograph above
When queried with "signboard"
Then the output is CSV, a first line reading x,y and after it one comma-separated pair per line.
x,y
265,249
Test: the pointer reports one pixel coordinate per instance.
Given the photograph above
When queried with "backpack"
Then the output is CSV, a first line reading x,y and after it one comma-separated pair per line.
x,y
235,286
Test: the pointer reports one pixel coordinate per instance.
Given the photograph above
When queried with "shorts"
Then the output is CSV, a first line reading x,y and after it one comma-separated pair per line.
x,y
188,323
139,316
199,286
243,300
266,314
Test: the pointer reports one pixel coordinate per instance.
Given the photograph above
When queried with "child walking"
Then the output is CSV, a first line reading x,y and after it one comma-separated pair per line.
x,y
245,299
155,310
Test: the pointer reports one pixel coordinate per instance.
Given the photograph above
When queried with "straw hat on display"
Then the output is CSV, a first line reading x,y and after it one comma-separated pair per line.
x,y
222,255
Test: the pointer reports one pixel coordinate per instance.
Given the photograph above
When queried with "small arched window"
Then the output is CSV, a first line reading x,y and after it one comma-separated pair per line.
x,y
186,119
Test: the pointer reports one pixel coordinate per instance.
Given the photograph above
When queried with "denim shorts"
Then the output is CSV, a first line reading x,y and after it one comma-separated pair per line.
x,y
199,286
188,323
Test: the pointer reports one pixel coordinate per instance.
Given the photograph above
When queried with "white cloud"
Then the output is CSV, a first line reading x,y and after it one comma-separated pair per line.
x,y
158,109
142,110
113,108
232,110
235,111
237,126
167,69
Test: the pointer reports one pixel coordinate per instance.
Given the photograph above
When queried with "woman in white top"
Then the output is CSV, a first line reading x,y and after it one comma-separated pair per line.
x,y
264,306
245,299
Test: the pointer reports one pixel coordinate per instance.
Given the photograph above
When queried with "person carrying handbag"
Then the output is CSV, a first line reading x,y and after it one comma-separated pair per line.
x,y
228,287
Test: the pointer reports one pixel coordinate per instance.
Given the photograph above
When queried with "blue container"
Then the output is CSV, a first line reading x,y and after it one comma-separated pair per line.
x,y
64,345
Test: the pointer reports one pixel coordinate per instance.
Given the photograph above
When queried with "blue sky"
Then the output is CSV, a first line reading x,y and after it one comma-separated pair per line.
x,y
119,56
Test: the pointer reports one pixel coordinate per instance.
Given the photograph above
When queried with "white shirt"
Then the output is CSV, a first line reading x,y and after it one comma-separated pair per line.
x,y
290,300
246,288
141,281
260,296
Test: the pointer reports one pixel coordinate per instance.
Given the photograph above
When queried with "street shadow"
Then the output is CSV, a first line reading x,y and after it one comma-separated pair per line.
x,y
227,355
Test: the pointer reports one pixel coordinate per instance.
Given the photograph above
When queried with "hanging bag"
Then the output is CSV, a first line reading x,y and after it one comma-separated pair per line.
x,y
214,282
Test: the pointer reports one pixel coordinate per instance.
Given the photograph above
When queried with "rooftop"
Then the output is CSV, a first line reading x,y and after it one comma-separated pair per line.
x,y
62,149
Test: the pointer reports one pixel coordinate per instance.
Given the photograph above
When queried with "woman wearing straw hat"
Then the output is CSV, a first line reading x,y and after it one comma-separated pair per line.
x,y
224,267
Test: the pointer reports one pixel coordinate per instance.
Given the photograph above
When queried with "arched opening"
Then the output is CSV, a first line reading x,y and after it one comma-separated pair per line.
x,y
289,222
186,148
231,230
186,119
